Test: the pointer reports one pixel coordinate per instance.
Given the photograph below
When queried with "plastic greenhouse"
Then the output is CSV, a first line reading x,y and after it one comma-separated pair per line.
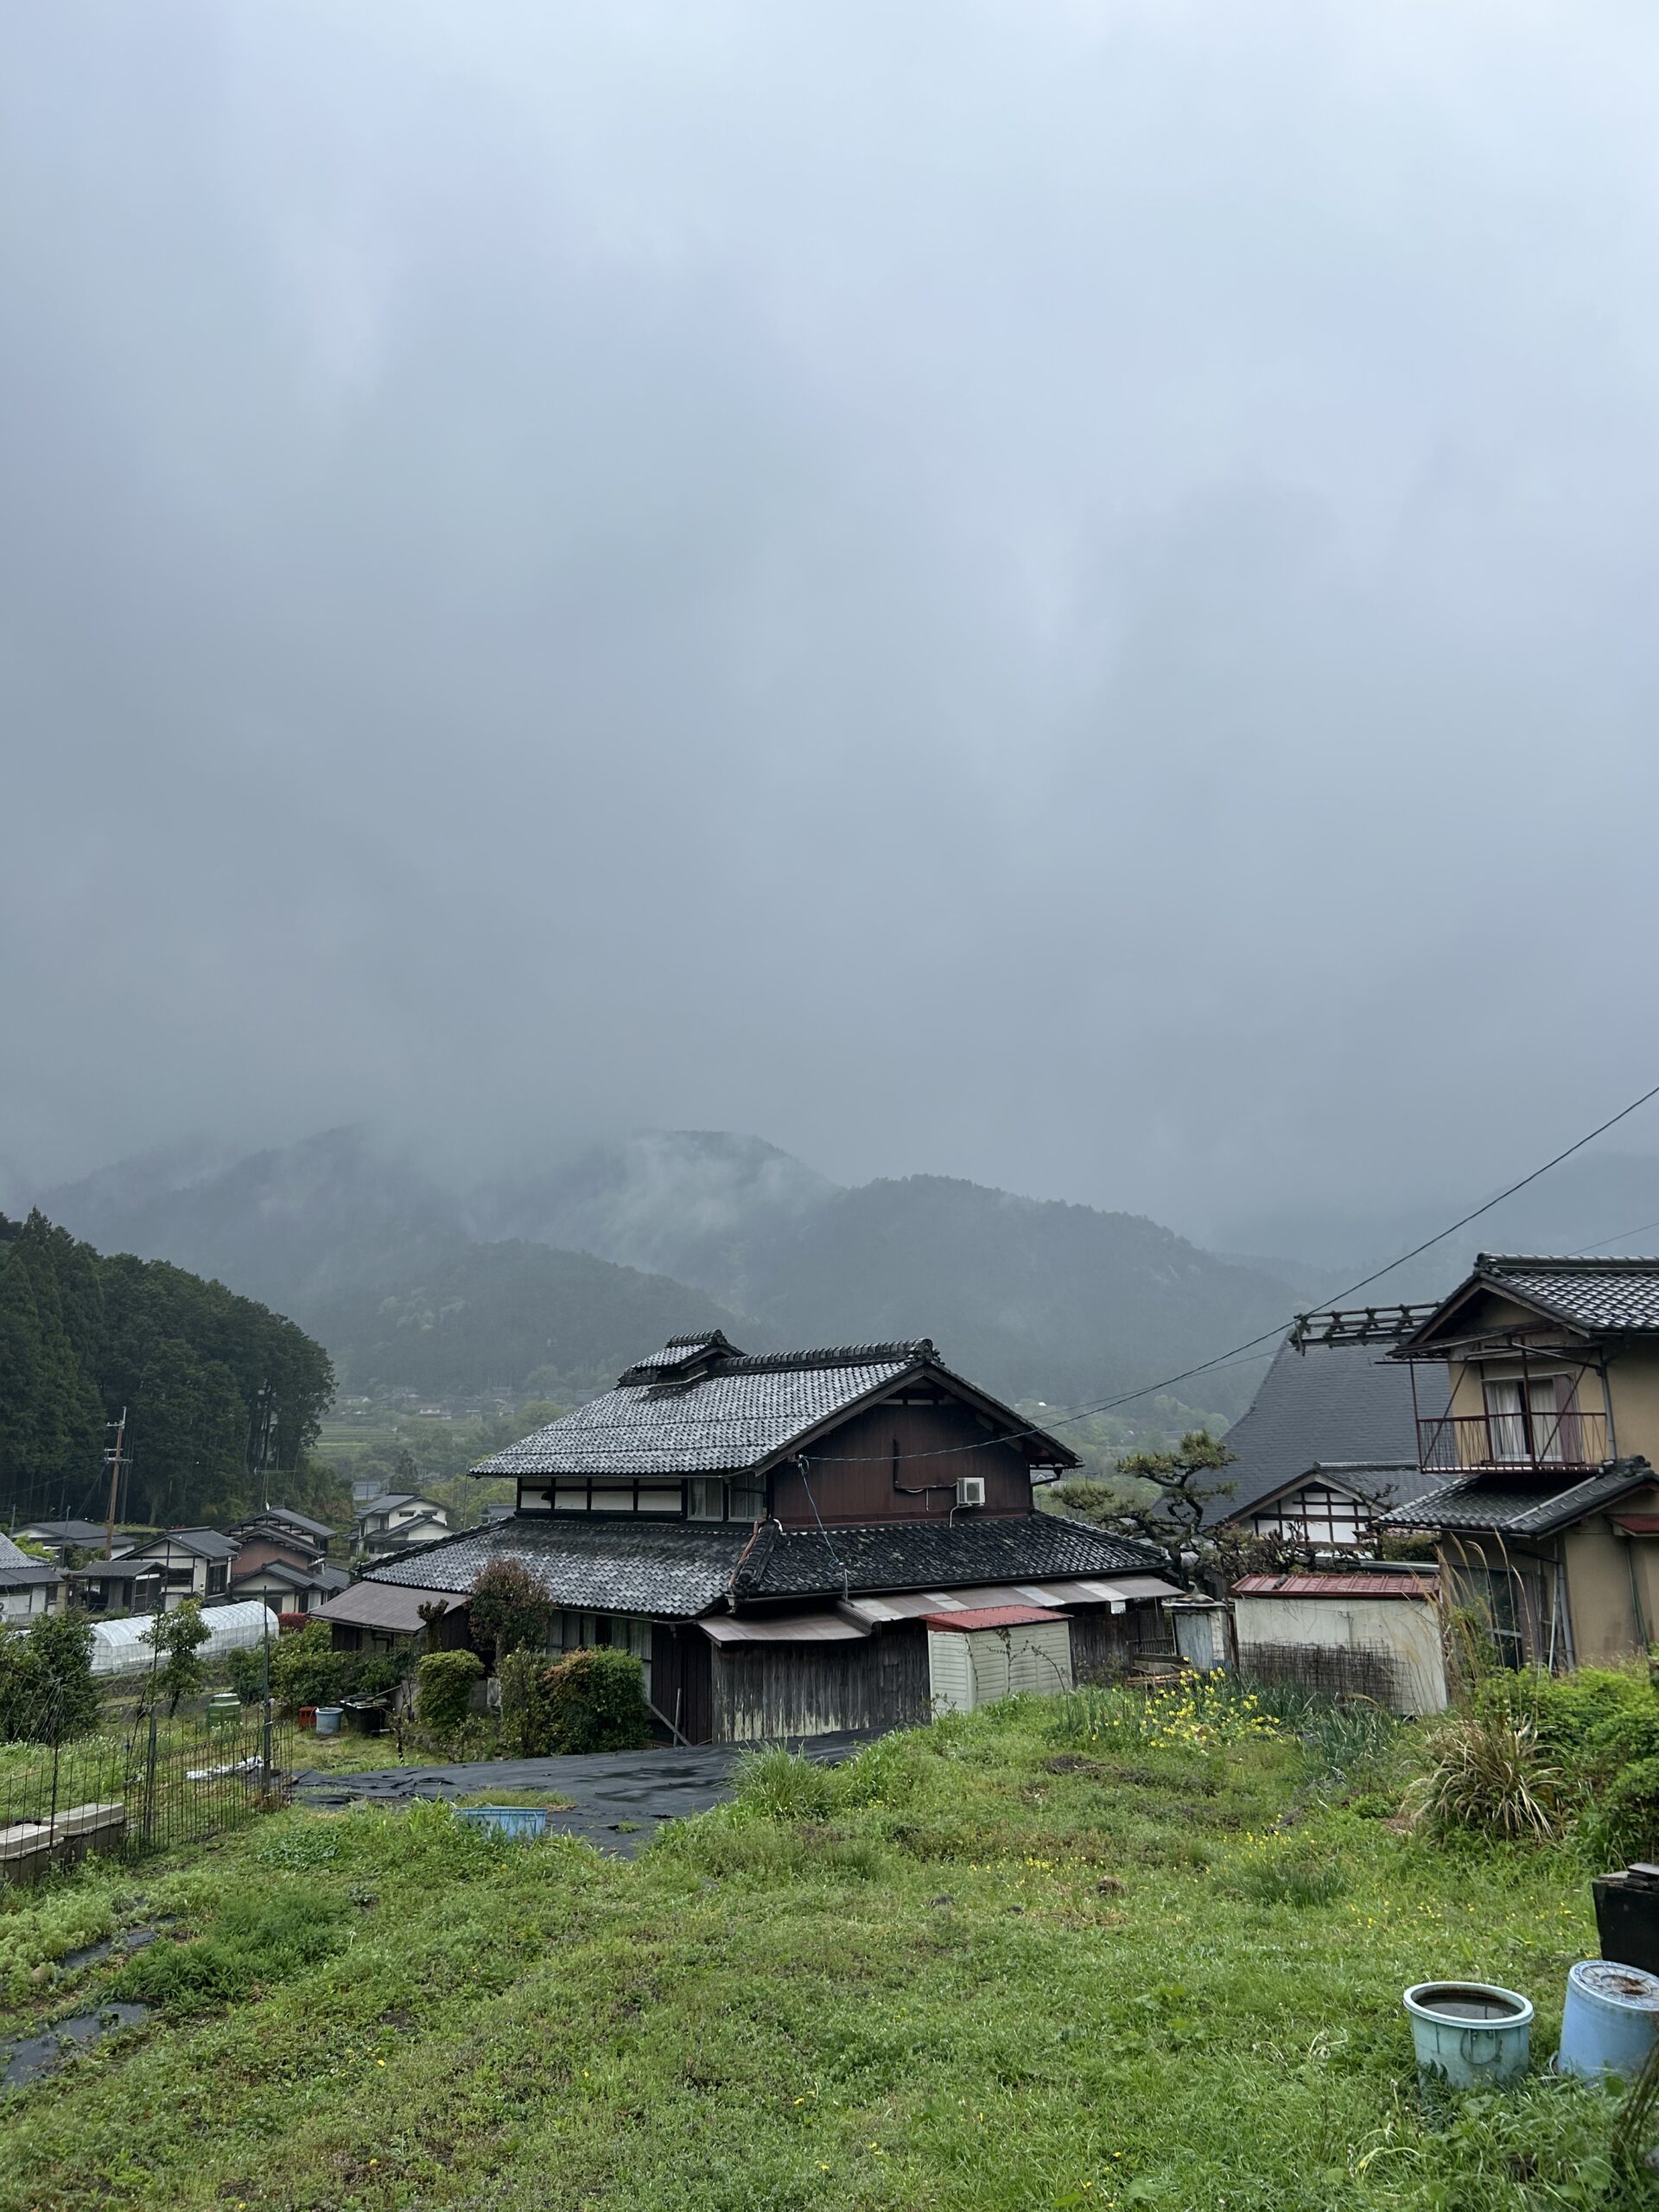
x,y
124,1647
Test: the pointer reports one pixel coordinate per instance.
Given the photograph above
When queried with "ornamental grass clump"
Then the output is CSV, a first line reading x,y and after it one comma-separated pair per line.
x,y
1487,1775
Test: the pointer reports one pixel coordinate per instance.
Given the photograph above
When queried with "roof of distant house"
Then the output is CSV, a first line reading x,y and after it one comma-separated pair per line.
x,y
1618,1297
288,1518
204,1543
387,1501
1340,1413
701,1406
80,1533
296,1578
19,1571
680,1569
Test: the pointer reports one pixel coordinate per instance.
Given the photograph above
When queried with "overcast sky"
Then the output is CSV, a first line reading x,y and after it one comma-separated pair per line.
x,y
1060,591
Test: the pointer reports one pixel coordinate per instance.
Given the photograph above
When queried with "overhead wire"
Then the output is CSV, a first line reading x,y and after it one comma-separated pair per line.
x,y
1268,1335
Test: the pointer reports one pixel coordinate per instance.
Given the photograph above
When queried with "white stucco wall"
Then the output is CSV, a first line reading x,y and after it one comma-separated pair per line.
x,y
1403,1630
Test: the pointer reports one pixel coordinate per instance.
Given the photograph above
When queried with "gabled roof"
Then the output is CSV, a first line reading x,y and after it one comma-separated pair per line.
x,y
1500,1504
677,1569
736,1414
386,1501
296,1578
80,1533
1315,1414
1597,1296
202,1543
19,1571
285,1516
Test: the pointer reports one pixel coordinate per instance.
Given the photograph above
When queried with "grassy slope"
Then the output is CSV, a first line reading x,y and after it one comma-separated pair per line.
x,y
961,1980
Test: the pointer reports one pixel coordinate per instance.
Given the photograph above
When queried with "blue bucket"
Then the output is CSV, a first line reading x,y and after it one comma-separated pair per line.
x,y
519,1821
1471,2033
1610,2020
329,1719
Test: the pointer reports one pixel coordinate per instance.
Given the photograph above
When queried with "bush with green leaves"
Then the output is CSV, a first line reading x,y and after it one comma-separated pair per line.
x,y
247,1673
444,1693
526,1724
595,1701
508,1609
1625,1822
47,1691
306,1669
177,1637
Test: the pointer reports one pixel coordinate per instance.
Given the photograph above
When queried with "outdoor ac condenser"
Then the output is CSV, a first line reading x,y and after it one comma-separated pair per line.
x,y
970,1490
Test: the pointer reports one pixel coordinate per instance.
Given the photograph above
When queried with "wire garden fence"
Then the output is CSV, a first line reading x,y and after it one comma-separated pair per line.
x,y
150,1785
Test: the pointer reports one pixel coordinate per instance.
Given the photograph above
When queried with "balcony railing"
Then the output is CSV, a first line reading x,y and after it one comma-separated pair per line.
x,y
1536,1441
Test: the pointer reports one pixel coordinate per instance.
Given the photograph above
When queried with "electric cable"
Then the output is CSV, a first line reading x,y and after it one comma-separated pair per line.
x,y
1268,1335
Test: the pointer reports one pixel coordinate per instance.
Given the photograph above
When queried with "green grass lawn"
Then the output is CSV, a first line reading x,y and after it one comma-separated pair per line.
x,y
1001,1963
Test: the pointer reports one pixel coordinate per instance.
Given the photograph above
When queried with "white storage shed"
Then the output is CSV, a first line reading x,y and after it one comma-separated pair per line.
x,y
986,1652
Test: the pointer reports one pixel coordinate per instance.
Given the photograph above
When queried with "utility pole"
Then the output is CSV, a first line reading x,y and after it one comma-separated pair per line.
x,y
120,1428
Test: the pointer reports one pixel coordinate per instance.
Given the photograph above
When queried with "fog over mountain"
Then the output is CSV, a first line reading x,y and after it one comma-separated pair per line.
x,y
1055,594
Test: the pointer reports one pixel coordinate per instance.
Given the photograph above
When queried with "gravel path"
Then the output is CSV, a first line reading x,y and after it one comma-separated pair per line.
x,y
621,1798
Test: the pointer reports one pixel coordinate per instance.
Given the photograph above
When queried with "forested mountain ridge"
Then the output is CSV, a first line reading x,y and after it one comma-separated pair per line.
x,y
551,1281
219,1392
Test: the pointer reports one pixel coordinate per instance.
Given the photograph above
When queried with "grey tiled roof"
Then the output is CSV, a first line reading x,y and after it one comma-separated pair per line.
x,y
742,1413
934,1555
1500,1504
676,1570
624,1567
679,1352
14,1555
205,1543
1329,1405
1618,1294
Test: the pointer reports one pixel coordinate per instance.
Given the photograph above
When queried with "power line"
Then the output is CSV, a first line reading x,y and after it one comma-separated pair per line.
x,y
1641,1230
1268,1335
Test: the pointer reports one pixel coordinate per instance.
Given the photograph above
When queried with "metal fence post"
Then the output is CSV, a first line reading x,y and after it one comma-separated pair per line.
x,y
150,1782
264,1753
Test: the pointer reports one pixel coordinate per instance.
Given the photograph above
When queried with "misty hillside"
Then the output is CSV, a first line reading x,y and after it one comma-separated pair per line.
x,y
698,1203
524,1320
554,1281
1031,1297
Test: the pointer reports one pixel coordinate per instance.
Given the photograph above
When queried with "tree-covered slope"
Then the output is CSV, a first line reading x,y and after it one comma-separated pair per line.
x,y
1032,1298
219,1392
512,1316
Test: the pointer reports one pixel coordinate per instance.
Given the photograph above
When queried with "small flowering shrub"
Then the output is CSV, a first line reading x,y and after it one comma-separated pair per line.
x,y
1187,1713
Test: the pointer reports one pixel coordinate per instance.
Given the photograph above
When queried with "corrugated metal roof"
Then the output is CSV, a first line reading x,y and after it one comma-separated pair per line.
x,y
394,1607
1337,1586
978,1616
1637,1524
789,1628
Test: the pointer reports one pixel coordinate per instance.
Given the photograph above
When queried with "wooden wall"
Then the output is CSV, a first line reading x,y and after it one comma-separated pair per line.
x,y
766,1691
857,1481
682,1678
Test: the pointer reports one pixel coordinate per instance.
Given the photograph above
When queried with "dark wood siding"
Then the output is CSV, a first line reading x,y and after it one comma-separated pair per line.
x,y
856,1477
1104,1643
765,1691
681,1678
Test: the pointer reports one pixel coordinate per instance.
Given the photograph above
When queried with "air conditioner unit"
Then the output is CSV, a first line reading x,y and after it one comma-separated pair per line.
x,y
970,1490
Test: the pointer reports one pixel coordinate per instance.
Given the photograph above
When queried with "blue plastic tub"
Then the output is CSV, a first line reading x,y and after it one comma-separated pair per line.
x,y
519,1821
329,1719
1610,2020
1471,2033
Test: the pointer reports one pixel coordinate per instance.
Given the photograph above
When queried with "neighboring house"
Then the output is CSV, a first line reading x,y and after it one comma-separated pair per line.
x,y
125,1585
60,1536
397,1522
772,1534
1329,1440
1537,1389
28,1587
195,1563
281,1526
288,1585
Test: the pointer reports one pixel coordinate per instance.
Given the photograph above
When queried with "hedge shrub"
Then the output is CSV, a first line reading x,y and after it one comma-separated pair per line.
x,y
595,1701
443,1690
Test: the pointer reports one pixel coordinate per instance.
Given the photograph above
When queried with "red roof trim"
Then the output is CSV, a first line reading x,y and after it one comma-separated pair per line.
x,y
1337,1586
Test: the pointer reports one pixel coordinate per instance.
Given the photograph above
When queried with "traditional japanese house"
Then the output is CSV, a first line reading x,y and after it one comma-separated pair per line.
x,y
1537,1389
1329,1442
772,1534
